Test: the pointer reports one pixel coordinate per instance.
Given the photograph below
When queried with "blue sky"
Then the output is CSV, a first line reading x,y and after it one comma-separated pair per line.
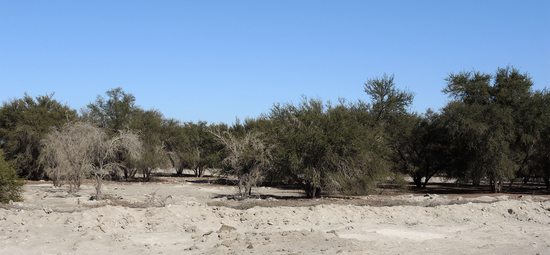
x,y
217,60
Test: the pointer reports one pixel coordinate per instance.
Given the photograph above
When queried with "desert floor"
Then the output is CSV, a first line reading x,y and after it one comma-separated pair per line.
x,y
183,216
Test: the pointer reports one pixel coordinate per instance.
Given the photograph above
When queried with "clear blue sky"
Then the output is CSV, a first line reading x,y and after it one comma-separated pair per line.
x,y
217,60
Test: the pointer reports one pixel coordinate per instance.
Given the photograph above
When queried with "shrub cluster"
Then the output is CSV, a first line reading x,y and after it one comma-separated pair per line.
x,y
10,185
495,129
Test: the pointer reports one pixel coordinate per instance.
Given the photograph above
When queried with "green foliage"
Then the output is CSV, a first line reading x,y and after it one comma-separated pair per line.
x,y
149,125
421,147
201,150
10,185
484,123
112,113
469,87
387,100
538,156
193,146
494,129
23,124
118,112
327,147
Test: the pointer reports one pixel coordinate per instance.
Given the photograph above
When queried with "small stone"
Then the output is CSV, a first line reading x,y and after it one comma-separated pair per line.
x,y
332,232
226,228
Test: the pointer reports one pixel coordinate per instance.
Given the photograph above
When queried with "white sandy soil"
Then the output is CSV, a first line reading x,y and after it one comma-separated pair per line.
x,y
50,221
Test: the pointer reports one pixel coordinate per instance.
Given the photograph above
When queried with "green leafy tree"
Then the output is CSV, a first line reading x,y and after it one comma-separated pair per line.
x,y
203,150
401,134
387,101
421,147
173,141
538,162
118,111
193,146
113,112
149,125
484,121
23,124
10,185
324,147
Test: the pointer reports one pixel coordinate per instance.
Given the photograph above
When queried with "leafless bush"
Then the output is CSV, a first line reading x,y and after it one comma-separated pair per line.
x,y
247,159
154,200
79,149
104,153
67,155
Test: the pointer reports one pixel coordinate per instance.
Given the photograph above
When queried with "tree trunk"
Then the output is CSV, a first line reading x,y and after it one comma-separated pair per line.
x,y
496,185
426,180
476,178
312,191
56,180
417,181
427,175
179,171
248,185
201,171
133,173
240,185
172,161
147,173
98,193
476,181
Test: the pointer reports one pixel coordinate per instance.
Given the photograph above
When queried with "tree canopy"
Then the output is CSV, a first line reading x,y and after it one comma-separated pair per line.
x,y
495,129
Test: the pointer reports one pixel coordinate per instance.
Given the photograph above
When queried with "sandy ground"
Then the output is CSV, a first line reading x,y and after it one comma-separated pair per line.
x,y
196,219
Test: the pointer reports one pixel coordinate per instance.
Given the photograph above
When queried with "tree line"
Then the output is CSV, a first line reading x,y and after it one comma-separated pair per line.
x,y
494,130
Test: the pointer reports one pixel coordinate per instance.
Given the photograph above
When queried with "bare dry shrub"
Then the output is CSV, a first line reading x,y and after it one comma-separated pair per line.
x,y
105,151
248,157
80,149
67,155
154,200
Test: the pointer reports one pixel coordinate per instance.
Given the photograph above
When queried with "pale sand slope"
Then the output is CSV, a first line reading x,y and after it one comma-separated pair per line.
x,y
52,223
